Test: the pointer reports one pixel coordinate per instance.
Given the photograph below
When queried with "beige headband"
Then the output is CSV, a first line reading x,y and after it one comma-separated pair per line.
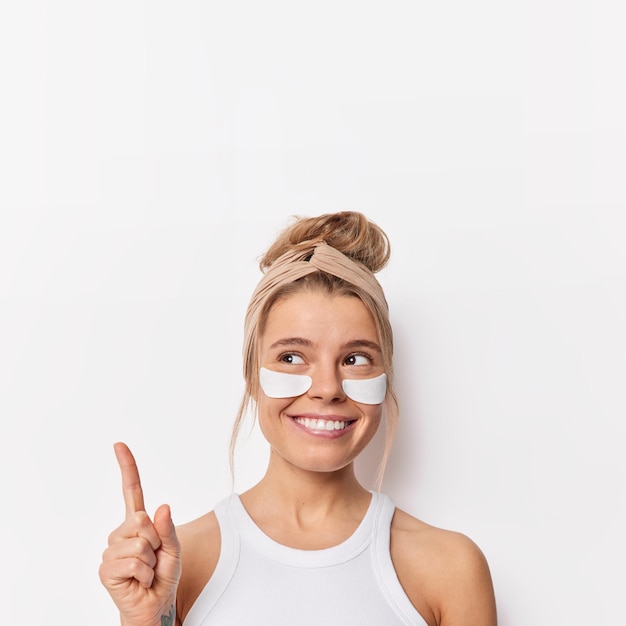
x,y
296,264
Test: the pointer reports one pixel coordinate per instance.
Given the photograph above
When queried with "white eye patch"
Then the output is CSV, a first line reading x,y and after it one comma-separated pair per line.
x,y
282,385
366,390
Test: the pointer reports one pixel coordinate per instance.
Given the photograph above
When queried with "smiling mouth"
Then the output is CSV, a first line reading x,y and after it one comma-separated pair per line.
x,y
318,424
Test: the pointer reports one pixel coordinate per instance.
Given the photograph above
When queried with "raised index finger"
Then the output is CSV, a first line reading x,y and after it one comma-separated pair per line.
x,y
131,485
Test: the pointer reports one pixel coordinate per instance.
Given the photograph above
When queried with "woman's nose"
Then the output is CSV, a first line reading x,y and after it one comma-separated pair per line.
x,y
326,384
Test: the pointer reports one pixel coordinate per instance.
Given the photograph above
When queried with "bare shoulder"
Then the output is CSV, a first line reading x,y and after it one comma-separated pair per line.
x,y
444,573
200,545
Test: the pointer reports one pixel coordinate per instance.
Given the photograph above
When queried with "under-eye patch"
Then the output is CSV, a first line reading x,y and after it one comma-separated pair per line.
x,y
366,390
283,385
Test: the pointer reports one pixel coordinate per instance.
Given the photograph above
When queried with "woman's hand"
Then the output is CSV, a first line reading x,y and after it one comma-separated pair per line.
x,y
141,566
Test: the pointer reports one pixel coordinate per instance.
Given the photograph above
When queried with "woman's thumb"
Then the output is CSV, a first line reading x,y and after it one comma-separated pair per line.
x,y
166,530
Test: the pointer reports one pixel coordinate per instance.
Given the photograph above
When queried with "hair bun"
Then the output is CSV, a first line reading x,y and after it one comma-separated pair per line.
x,y
350,232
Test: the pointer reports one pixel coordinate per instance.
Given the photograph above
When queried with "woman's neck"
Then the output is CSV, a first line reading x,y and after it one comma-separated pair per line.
x,y
306,509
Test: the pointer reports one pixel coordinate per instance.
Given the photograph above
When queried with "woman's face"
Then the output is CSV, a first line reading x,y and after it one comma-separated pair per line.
x,y
330,339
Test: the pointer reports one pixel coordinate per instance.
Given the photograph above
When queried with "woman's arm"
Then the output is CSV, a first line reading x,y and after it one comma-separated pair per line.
x,y
445,574
467,597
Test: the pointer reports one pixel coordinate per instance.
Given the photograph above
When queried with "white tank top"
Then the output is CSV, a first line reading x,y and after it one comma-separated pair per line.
x,y
259,582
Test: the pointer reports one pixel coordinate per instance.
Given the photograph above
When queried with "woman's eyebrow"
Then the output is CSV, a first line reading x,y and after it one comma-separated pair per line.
x,y
350,345
290,341
363,343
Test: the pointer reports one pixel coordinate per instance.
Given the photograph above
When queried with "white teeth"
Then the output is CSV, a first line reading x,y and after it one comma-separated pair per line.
x,y
315,424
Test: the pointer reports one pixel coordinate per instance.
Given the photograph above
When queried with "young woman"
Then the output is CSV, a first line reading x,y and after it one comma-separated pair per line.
x,y
308,544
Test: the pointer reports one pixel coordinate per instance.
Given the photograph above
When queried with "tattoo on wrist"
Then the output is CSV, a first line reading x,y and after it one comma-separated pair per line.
x,y
170,618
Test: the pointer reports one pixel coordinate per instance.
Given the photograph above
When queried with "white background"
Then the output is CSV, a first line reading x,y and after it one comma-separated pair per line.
x,y
149,152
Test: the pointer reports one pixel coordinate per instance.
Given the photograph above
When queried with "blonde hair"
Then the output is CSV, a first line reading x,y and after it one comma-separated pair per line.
x,y
337,253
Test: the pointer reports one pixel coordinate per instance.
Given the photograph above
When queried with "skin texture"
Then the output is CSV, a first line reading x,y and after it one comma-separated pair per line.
x,y
309,497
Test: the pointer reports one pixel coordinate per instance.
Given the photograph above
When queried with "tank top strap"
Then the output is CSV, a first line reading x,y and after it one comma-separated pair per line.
x,y
230,548
383,565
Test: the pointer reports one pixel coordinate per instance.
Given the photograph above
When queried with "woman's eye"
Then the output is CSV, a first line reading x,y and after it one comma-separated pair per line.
x,y
358,359
292,359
